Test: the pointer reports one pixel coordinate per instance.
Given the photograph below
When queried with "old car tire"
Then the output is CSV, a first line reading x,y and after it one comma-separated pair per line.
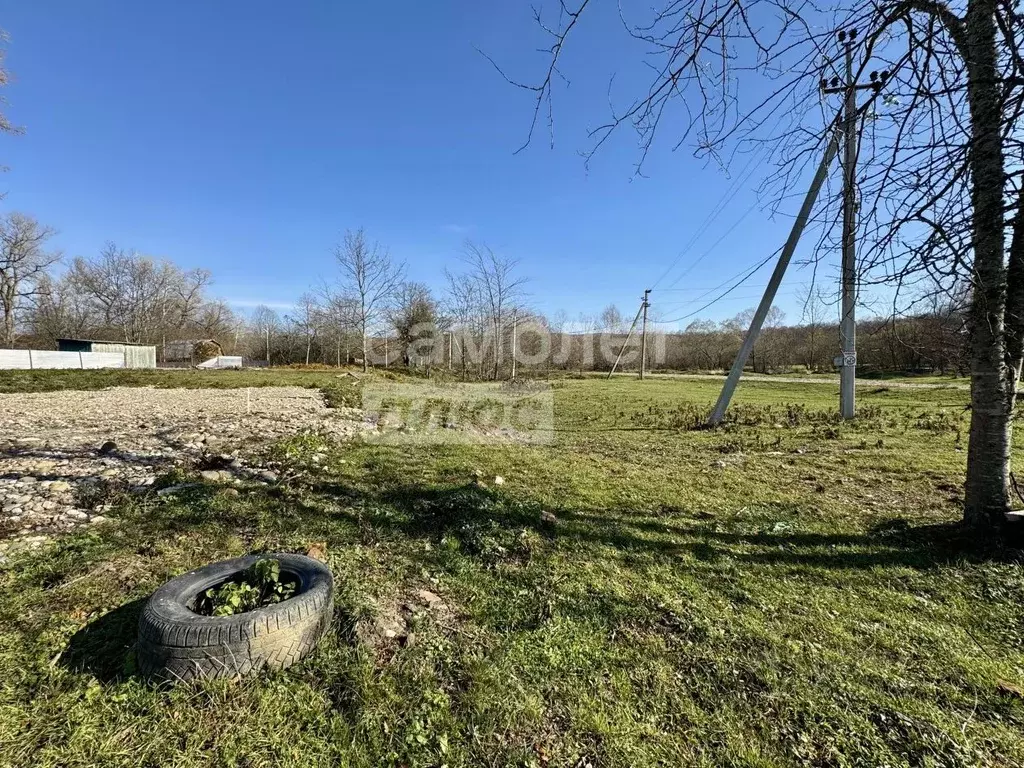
x,y
177,644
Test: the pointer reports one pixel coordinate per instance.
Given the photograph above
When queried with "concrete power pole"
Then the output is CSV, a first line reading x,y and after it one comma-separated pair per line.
x,y
847,361
643,335
848,325
776,279
847,125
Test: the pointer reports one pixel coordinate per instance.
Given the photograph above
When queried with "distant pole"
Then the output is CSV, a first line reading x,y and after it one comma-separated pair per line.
x,y
451,335
773,285
848,325
385,350
514,318
626,342
267,329
643,335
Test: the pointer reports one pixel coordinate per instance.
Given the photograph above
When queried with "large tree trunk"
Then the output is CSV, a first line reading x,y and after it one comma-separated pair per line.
x,y
988,456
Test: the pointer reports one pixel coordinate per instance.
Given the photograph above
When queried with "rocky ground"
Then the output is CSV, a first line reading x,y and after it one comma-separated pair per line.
x,y
57,449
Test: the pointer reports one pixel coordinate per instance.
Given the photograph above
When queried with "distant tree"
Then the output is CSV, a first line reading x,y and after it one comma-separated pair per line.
x,y
265,322
141,298
706,342
611,319
812,314
307,318
369,276
463,307
23,265
415,317
499,287
340,322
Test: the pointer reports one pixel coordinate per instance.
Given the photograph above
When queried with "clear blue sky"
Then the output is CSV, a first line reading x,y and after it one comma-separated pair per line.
x,y
245,137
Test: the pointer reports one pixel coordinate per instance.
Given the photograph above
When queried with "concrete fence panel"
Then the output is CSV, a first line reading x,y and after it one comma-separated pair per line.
x,y
36,359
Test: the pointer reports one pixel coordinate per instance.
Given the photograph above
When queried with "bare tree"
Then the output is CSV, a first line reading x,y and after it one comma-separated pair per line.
x,y
812,313
307,319
138,297
498,286
23,265
58,312
5,78
463,305
940,174
369,276
611,319
265,321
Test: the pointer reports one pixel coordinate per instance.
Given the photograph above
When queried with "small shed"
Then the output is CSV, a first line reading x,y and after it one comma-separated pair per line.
x,y
135,355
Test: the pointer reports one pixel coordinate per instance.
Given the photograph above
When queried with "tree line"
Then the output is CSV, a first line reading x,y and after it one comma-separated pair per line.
x,y
370,313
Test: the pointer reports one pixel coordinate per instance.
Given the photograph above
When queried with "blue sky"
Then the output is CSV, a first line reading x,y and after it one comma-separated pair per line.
x,y
245,137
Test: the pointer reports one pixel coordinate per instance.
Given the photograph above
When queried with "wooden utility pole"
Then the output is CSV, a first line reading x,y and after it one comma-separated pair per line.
x,y
385,350
451,334
643,335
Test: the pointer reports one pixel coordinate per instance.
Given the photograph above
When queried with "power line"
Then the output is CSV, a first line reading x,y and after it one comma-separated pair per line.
x,y
730,192
721,296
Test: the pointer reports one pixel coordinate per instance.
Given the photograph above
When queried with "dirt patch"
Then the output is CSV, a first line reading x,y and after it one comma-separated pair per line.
x,y
393,623
58,448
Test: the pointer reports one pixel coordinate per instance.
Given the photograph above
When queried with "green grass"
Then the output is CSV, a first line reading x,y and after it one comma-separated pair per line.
x,y
786,591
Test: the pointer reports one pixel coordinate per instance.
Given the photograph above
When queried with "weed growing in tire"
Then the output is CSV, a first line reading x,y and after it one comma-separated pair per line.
x,y
258,586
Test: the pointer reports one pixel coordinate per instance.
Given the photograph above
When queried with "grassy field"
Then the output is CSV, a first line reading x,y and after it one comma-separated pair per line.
x,y
785,591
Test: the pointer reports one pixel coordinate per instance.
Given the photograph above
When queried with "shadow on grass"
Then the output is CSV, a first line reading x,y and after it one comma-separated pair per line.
x,y
490,523
105,646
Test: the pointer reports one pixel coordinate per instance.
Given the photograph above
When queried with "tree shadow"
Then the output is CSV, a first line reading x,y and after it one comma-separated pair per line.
x,y
105,646
491,522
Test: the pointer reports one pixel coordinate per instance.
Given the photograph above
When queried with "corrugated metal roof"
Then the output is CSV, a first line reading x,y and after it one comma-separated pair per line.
x,y
105,341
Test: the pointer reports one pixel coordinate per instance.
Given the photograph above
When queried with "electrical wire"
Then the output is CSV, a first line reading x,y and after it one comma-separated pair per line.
x,y
725,293
731,191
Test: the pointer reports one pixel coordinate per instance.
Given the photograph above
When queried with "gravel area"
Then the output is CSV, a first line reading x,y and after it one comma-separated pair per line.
x,y
57,447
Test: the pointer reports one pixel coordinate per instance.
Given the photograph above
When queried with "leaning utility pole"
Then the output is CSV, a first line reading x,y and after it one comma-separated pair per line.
x,y
773,284
847,118
628,337
643,335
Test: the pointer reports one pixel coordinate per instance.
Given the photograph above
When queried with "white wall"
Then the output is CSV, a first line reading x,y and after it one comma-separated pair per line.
x,y
33,359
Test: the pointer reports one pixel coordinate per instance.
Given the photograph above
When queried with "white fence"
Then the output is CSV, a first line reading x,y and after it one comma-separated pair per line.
x,y
34,359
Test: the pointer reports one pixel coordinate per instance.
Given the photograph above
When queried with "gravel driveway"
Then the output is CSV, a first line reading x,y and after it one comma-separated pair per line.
x,y
52,443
